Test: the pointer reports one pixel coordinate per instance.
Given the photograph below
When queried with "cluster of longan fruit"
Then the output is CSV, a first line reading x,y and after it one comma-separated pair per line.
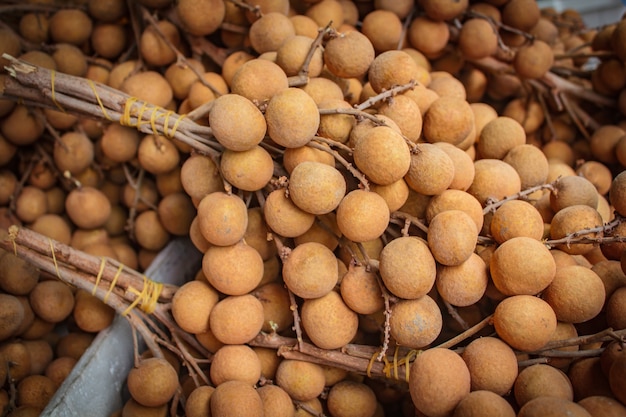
x,y
340,208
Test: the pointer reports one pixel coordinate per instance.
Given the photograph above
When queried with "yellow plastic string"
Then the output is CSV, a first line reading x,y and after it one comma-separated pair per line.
x,y
153,118
146,298
142,109
95,92
175,127
390,369
117,275
13,231
99,277
54,259
54,99
156,113
166,123
125,119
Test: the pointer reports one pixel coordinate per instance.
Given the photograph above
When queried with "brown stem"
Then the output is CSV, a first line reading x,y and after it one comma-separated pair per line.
x,y
456,316
487,321
348,165
386,95
412,219
303,75
493,205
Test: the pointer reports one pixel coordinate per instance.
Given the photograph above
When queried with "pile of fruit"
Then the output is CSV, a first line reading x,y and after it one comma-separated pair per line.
x,y
406,208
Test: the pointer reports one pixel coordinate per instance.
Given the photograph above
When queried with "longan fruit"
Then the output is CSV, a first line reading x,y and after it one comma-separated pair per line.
x,y
17,276
119,143
448,119
494,180
524,322
406,114
21,126
407,267
391,68
599,405
530,163
533,60
192,304
326,11
324,230
362,215
541,380
293,156
573,190
415,323
349,54
182,77
8,184
148,195
492,365
611,274
149,231
233,270
199,177
351,399
576,294
521,14
384,30
236,122
615,309
201,18
455,199
285,218
35,391
153,382
304,25
15,353
333,126
276,401
293,52
464,284
236,319
52,300
302,380
270,31
235,362
292,118
328,321
176,212
256,234
321,89
58,369
428,36
452,236
197,403
258,80
573,219
360,290
222,218
316,187
248,170
157,154
499,136
587,378
132,408
310,271
69,59
463,166
149,86
276,307
546,406
598,174
34,27
527,113
395,194
439,380
235,398
443,10
90,313
483,403
11,316
477,39
431,171
617,193
70,26
516,218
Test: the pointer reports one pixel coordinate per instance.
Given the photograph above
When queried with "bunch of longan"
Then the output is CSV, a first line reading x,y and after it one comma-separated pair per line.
x,y
382,175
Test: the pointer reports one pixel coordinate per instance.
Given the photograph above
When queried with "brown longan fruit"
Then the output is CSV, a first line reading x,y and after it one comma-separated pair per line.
x,y
192,304
258,80
431,171
391,68
335,126
106,11
176,212
428,36
22,126
292,118
149,231
494,180
406,114
322,89
407,267
201,18
349,54
90,313
395,194
598,174
149,86
16,353
521,14
310,271
439,380
157,154
384,30
35,391
360,290
8,184
499,136
276,401
324,230
70,26
599,405
455,199
533,60
573,190
611,274
452,236
528,113
516,218
236,319
448,119
524,322
270,31
302,380
11,316
293,156
199,177
572,219
52,300
328,321
463,166
236,122
483,403
443,10
465,284
233,398
492,365
546,406
34,27
478,39
132,408
362,215
292,54
415,323
530,163
17,276
234,270
325,12
69,59
617,193
223,218
197,403
235,362
153,382
248,170
541,380
58,369
576,294
276,307
284,217
316,187
73,152
350,399
615,309
256,234
8,151
587,378
119,143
